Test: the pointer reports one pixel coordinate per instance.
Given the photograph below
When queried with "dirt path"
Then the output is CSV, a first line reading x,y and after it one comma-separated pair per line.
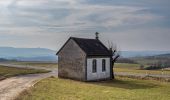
x,y
12,87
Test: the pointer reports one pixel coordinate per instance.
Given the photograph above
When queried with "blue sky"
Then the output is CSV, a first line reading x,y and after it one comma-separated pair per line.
x,y
130,24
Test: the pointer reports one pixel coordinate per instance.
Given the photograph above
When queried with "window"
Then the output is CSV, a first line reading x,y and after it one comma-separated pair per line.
x,y
103,65
94,66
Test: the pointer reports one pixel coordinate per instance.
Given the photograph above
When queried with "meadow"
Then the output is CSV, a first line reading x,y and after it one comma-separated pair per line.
x,y
135,69
121,88
118,89
6,71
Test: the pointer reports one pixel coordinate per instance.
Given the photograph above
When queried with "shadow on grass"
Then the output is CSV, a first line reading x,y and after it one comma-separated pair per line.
x,y
126,84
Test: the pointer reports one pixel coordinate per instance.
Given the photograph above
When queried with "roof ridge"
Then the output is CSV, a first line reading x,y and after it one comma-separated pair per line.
x,y
82,38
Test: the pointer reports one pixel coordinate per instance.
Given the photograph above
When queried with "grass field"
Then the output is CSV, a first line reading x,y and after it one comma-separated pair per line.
x,y
119,89
134,68
37,64
6,72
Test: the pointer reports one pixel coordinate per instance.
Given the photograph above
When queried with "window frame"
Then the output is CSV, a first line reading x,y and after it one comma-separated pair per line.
x,y
94,66
103,65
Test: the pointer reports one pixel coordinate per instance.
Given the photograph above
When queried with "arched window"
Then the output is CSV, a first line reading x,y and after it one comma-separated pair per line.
x,y
103,65
94,66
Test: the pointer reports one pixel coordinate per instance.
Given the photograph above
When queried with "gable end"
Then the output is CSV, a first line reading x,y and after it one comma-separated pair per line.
x,y
66,43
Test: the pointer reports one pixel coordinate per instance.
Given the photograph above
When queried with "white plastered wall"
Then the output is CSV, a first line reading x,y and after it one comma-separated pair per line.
x,y
99,74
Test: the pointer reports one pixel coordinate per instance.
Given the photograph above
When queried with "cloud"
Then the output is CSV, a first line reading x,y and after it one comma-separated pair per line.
x,y
73,14
59,19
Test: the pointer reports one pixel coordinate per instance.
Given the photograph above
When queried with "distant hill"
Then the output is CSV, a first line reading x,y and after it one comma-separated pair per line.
x,y
127,54
38,58
161,58
28,54
4,60
43,54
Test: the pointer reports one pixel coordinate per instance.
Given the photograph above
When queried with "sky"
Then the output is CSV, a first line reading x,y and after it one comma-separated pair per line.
x,y
133,25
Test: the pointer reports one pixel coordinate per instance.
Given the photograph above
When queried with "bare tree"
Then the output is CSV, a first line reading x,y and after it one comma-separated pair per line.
x,y
115,54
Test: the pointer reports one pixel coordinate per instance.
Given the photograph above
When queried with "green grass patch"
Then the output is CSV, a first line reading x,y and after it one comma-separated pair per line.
x,y
6,71
134,68
119,89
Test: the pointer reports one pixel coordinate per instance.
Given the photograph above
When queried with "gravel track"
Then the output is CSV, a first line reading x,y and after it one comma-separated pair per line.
x,y
10,88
